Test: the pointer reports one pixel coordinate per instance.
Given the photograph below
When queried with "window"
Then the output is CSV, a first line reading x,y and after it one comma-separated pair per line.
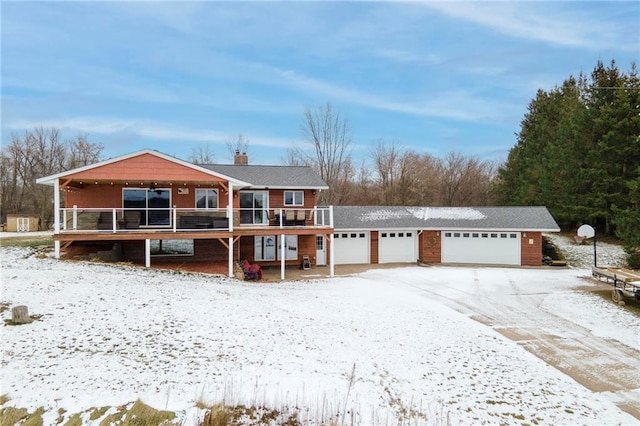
x,y
154,205
494,235
254,206
447,234
319,242
456,235
336,235
408,234
171,247
465,235
392,235
513,236
265,247
475,235
503,235
290,247
400,234
293,198
485,235
384,235
361,236
345,235
353,235
206,198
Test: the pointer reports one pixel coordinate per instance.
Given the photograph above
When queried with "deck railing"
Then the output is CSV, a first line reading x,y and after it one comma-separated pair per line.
x,y
116,220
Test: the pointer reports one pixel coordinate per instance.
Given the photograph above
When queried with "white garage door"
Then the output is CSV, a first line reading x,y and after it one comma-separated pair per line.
x,y
498,248
351,247
397,246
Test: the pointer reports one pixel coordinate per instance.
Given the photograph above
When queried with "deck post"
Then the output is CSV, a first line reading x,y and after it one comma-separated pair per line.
x,y
56,208
331,256
331,262
56,249
114,220
231,257
147,253
283,254
230,207
74,218
175,218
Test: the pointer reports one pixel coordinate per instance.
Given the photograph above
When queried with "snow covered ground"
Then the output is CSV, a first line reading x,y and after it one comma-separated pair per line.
x,y
431,339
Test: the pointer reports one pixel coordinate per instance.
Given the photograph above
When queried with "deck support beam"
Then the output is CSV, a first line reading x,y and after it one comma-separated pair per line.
x,y
147,253
231,257
283,254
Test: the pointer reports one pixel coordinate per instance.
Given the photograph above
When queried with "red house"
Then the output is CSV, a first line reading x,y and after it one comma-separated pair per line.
x,y
147,206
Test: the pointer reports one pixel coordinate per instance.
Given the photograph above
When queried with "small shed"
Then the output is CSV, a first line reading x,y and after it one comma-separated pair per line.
x,y
17,222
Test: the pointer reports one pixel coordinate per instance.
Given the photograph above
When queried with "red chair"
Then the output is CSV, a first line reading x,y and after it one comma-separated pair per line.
x,y
251,272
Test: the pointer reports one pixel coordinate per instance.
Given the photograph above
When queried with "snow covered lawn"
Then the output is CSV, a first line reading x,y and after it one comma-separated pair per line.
x,y
111,334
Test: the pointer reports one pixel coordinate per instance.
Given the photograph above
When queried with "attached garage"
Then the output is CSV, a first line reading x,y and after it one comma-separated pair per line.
x,y
398,246
481,247
351,247
465,235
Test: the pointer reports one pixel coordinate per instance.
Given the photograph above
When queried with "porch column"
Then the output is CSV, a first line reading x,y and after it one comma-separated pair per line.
x,y
283,254
230,207
147,253
231,257
56,249
331,250
331,256
56,208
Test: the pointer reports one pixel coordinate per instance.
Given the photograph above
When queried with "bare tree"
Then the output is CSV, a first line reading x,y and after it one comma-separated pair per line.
x,y
39,152
82,152
238,144
329,134
202,154
387,161
465,181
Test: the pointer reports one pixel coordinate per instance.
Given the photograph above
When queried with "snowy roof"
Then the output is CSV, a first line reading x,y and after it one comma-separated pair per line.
x,y
480,218
271,176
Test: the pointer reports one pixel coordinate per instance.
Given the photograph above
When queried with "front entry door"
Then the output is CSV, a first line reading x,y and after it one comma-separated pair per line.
x,y
321,252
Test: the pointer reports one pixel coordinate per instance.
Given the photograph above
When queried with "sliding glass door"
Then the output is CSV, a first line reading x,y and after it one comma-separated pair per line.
x,y
154,205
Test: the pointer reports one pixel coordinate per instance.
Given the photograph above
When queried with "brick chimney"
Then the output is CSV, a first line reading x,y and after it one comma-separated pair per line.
x,y
239,158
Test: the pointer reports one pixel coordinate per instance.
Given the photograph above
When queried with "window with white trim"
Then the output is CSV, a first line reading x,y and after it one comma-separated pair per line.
x,y
206,198
293,198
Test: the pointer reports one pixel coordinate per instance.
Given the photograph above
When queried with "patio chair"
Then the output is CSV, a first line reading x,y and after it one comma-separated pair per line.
x,y
300,217
290,217
251,272
131,220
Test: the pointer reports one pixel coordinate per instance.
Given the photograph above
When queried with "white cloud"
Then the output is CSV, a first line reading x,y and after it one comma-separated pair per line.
x,y
454,105
145,129
552,22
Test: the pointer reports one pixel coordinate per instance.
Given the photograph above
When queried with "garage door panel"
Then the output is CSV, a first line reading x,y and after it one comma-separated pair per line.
x,y
499,248
351,248
397,247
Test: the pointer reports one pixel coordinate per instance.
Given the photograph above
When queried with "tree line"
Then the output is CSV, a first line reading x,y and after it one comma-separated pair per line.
x,y
578,153
37,153
393,175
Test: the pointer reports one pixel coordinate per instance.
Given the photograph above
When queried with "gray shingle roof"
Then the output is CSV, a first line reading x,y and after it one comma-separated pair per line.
x,y
439,218
271,176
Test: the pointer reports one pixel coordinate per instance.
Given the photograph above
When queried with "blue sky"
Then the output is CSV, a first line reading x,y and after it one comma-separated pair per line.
x,y
434,77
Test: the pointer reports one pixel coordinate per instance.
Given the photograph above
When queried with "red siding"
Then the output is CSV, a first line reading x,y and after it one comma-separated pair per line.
x,y
531,249
146,167
430,247
374,248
